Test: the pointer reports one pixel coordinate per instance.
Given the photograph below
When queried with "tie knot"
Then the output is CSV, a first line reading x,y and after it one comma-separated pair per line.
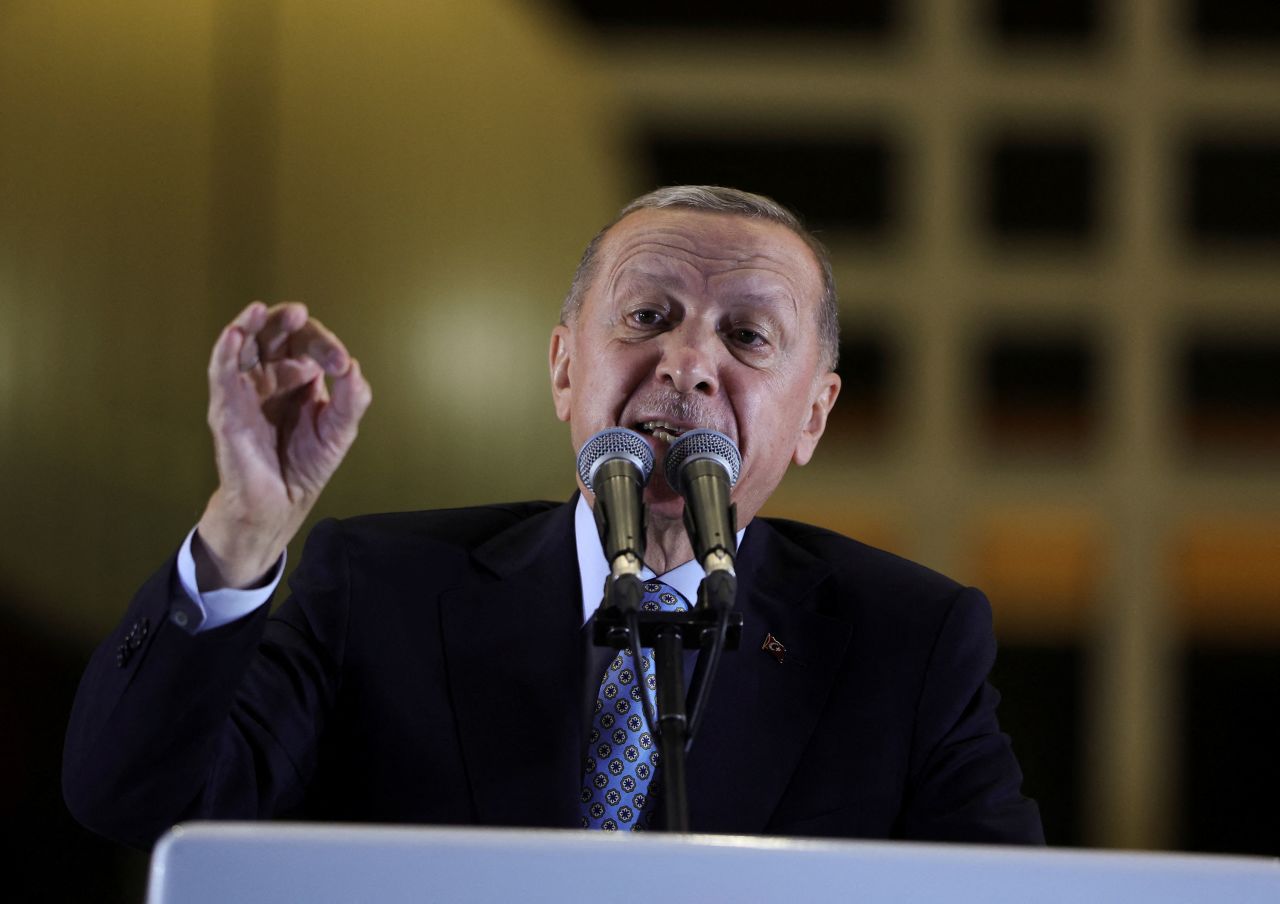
x,y
660,597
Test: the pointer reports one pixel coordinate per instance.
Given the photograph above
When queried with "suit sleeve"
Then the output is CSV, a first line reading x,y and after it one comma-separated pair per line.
x,y
169,725
964,782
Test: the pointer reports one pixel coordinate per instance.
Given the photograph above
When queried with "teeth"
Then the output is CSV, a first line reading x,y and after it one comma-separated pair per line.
x,y
668,433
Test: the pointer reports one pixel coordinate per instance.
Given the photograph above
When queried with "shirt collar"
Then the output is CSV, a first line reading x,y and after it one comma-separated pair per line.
x,y
593,568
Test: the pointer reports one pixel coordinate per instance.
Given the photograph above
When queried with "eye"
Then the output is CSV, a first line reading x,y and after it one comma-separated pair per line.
x,y
647,317
745,335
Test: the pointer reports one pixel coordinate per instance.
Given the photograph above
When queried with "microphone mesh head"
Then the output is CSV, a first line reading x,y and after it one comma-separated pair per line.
x,y
702,443
615,442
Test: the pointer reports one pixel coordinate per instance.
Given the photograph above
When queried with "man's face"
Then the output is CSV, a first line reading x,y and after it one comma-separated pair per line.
x,y
697,319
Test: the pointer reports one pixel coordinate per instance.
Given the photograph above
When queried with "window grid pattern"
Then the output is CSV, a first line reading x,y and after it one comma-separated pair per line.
x,y
941,88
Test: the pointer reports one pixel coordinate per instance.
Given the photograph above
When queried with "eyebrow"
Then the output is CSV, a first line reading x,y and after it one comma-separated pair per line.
x,y
779,296
657,281
670,283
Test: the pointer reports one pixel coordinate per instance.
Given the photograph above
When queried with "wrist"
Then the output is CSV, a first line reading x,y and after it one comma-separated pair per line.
x,y
235,553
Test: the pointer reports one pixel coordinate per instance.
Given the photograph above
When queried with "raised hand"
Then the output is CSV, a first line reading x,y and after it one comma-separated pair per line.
x,y
279,433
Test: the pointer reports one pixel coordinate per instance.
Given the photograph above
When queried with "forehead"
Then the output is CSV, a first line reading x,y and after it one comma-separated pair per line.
x,y
681,246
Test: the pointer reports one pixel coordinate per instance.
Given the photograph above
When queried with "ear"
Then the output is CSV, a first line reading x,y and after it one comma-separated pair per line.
x,y
826,387
561,392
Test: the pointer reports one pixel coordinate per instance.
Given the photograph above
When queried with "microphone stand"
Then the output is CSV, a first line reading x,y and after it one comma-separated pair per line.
x,y
708,626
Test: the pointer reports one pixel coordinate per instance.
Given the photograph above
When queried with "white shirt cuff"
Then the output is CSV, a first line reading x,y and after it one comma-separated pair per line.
x,y
215,608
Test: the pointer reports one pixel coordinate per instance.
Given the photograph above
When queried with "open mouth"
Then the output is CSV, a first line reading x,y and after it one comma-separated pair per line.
x,y
664,431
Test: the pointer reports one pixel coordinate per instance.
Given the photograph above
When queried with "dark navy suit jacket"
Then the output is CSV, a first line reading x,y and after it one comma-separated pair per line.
x,y
429,667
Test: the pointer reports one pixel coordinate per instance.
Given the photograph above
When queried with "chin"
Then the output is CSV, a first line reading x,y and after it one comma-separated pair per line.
x,y
664,503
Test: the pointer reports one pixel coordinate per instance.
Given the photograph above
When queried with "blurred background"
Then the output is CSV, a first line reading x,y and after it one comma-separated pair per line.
x,y
1056,230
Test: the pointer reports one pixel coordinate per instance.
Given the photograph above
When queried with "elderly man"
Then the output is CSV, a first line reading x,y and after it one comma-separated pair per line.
x,y
431,667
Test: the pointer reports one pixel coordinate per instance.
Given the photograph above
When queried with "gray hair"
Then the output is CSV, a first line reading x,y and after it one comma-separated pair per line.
x,y
717,199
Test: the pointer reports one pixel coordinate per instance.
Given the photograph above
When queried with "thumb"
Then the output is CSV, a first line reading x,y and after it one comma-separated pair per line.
x,y
350,395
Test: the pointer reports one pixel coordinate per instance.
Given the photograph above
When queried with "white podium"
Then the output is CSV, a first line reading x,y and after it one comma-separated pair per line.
x,y
248,863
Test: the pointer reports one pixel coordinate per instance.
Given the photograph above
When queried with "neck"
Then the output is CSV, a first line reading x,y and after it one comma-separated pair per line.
x,y
667,544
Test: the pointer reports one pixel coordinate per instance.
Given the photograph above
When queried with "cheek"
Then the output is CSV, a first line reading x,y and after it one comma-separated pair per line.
x,y
771,414
604,382
754,419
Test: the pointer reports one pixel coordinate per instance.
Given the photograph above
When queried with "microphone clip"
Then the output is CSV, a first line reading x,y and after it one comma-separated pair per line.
x,y
623,593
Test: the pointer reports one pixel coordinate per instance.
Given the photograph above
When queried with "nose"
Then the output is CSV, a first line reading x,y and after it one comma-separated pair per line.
x,y
688,359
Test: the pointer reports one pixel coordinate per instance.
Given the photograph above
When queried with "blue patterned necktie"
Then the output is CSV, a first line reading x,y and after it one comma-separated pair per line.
x,y
622,755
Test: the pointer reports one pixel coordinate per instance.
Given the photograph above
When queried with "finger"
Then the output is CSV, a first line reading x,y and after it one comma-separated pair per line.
x,y
350,398
251,319
272,334
248,358
316,341
351,393
321,391
231,339
291,373
232,397
286,408
249,322
224,361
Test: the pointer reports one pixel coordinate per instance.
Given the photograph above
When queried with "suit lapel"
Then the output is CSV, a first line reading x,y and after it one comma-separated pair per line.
x,y
761,713
514,657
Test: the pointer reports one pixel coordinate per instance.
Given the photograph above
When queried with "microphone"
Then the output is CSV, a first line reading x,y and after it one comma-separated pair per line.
x,y
703,465
615,464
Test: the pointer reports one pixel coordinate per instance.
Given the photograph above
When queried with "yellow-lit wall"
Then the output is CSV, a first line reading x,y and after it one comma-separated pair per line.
x,y
424,175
